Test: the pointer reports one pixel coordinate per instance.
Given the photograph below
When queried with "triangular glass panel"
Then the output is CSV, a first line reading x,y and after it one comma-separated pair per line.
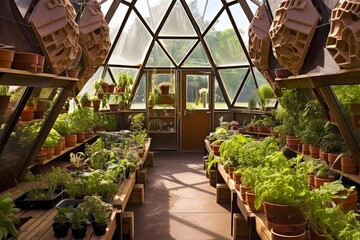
x,y
241,21
262,81
177,23
219,99
232,79
139,100
89,86
203,12
247,92
133,43
158,58
177,48
223,43
152,11
197,58
115,71
116,21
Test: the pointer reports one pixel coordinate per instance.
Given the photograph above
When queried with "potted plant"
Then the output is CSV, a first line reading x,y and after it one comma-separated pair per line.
x,y
73,72
98,88
61,223
85,100
265,93
78,161
99,211
81,119
153,98
164,87
79,222
136,122
332,143
4,97
8,218
124,82
51,141
96,103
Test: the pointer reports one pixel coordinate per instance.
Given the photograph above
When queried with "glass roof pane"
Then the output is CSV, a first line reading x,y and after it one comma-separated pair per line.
x,y
204,12
259,77
152,11
197,58
133,43
178,23
223,43
139,100
219,97
116,21
158,58
177,47
241,21
248,92
89,86
105,7
232,79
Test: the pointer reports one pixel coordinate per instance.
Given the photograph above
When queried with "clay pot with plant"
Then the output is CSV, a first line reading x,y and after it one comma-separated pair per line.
x,y
164,87
96,103
73,72
124,82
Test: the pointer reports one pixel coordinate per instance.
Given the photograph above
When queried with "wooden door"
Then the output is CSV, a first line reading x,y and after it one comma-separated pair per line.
x,y
195,110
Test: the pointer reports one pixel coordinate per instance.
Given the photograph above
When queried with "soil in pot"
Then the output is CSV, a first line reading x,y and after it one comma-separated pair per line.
x,y
60,230
287,232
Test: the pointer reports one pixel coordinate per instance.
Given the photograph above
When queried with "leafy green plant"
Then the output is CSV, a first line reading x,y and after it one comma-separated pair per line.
x,y
137,122
4,90
332,143
77,218
85,98
98,208
8,218
81,119
99,159
62,125
77,159
52,140
252,103
61,215
153,97
124,80
265,93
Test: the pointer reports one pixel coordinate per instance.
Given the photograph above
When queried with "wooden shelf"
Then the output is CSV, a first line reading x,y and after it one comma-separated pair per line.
x,y
173,116
255,133
161,132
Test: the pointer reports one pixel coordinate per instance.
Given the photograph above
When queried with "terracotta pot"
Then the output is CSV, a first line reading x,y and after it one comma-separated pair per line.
x,y
305,149
349,165
250,199
114,107
6,58
120,89
215,149
314,151
333,160
104,87
86,104
38,114
57,149
243,191
292,142
80,137
262,129
283,214
164,89
283,73
70,140
26,57
348,203
72,73
49,152
4,102
249,128
100,96
311,180
111,88
231,171
96,105
299,149
62,139
40,65
287,232
237,178
319,181
40,157
27,114
323,155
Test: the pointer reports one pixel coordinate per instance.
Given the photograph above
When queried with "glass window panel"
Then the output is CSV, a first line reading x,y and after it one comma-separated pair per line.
x,y
248,92
197,92
223,43
349,99
116,21
177,23
22,139
262,81
133,43
164,77
139,100
116,71
158,58
152,11
241,21
105,7
197,58
204,11
89,86
23,6
219,97
177,47
232,79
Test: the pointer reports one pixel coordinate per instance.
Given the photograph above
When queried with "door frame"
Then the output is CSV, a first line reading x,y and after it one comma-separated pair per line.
x,y
182,74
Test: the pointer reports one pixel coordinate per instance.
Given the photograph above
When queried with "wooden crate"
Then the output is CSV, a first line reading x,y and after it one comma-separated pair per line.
x,y
141,178
137,195
149,162
223,193
240,227
212,178
128,227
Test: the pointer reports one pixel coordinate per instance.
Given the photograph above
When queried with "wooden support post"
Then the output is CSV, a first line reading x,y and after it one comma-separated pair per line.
x,y
137,195
128,227
223,193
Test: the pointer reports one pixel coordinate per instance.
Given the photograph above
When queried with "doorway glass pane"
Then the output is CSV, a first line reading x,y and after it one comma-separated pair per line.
x,y
139,100
197,92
